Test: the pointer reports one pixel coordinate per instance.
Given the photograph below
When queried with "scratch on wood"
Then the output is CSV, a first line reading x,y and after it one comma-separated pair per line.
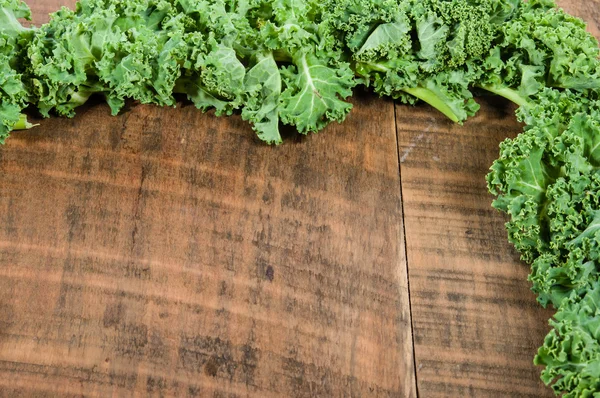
x,y
411,147
432,122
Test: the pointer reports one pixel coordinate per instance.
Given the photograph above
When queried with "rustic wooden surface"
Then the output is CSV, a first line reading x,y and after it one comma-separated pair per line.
x,y
476,325
165,252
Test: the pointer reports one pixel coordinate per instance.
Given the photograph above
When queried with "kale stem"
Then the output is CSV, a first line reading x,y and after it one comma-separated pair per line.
x,y
433,100
23,124
282,56
506,92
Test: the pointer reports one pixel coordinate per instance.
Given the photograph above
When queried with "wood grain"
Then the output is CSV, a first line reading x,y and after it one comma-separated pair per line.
x,y
476,324
168,253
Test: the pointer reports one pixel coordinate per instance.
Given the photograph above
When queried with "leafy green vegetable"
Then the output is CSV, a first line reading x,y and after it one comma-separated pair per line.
x,y
571,351
541,46
545,180
548,180
148,50
314,92
433,50
263,85
430,50
14,93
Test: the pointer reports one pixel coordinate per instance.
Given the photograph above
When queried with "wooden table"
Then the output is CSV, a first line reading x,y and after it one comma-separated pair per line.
x,y
167,252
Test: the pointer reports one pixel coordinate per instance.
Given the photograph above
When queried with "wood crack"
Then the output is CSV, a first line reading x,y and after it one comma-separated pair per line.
x,y
410,312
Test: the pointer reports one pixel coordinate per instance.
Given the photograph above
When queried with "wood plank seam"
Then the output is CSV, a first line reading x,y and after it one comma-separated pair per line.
x,y
410,312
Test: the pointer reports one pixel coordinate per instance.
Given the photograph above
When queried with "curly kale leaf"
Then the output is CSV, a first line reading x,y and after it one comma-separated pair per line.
x,y
548,180
14,90
263,85
214,80
371,29
121,50
431,50
541,46
571,351
451,33
314,92
413,49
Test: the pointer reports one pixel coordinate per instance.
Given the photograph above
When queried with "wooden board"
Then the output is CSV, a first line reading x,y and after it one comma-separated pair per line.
x,y
165,252
476,324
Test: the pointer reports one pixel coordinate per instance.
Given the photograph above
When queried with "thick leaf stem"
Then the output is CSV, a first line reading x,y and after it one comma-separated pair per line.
x,y
23,124
506,92
282,56
433,100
